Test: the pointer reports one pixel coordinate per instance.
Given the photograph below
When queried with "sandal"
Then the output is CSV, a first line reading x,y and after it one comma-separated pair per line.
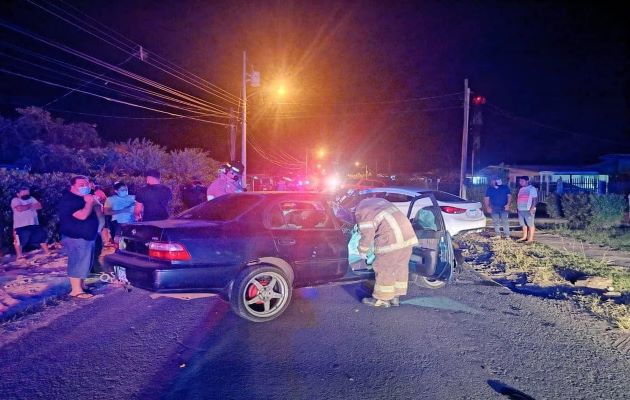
x,y
82,295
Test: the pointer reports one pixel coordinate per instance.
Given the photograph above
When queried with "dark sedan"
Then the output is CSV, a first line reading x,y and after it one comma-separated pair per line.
x,y
252,248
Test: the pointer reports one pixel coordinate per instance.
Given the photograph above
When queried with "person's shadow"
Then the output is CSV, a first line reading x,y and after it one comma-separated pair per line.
x,y
508,391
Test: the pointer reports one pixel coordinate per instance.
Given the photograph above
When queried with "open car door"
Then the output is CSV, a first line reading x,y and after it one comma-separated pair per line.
x,y
433,260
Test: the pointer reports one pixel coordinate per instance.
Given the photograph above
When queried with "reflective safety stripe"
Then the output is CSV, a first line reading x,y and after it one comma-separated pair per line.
x,y
395,227
396,246
401,285
367,225
384,289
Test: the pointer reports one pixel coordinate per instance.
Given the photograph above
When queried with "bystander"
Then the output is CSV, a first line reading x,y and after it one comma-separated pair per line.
x,y
79,213
152,200
26,223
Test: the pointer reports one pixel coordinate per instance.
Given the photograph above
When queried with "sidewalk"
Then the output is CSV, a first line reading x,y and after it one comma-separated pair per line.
x,y
34,282
615,257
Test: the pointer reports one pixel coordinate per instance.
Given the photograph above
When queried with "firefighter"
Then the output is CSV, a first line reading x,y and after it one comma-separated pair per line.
x,y
387,230
227,182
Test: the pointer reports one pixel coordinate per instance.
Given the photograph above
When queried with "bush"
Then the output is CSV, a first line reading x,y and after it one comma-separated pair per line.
x,y
588,210
48,189
608,211
554,206
578,209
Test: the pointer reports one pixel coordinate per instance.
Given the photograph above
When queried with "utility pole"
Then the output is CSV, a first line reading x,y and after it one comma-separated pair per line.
x,y
232,135
244,123
462,170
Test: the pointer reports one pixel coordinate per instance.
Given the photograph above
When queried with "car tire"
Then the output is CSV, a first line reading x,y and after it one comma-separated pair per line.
x,y
260,293
428,283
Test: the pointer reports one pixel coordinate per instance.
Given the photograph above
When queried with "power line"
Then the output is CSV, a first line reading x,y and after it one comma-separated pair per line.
x,y
207,87
126,94
85,84
119,70
306,116
399,101
110,99
513,116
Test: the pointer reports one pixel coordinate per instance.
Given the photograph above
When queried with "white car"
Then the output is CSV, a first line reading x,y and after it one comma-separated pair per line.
x,y
459,214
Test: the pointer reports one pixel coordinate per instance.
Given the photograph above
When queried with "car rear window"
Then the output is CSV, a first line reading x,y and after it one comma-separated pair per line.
x,y
451,198
223,208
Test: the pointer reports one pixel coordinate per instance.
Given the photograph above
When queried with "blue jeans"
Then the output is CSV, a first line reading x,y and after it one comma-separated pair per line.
x,y
500,219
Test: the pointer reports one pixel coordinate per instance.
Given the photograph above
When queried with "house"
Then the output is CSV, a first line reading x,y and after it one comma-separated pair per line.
x,y
611,174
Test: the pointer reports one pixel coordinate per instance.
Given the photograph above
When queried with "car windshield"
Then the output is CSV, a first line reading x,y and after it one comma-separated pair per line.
x,y
223,208
449,198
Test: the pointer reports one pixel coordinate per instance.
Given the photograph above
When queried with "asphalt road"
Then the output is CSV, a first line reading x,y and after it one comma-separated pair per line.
x,y
471,340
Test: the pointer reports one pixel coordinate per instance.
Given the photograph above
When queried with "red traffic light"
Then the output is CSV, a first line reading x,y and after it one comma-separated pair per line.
x,y
478,100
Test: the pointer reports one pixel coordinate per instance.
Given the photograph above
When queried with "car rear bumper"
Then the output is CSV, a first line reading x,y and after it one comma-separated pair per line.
x,y
455,226
164,277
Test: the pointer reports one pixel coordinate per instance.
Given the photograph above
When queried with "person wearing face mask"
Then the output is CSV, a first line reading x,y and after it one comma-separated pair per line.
x,y
25,222
79,219
227,182
497,203
120,206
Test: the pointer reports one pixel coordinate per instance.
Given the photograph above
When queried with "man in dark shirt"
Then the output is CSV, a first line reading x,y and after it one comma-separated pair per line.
x,y
497,202
194,193
152,199
79,219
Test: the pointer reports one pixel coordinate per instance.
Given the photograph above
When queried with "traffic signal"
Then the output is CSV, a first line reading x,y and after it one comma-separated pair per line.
x,y
478,100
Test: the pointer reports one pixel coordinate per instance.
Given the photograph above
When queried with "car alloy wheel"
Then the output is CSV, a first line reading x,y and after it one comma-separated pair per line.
x,y
261,293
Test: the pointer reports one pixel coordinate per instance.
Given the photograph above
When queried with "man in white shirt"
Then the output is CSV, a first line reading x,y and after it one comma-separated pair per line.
x,y
25,222
526,206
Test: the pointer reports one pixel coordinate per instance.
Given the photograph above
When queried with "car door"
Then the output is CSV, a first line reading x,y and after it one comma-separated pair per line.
x,y
306,236
433,257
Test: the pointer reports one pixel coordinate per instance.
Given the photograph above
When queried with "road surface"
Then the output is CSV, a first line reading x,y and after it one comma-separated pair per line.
x,y
470,340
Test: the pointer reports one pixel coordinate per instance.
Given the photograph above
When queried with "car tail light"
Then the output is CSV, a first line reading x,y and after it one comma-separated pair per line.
x,y
453,210
168,251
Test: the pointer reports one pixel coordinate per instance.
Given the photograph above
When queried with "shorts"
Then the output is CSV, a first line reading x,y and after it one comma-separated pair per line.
x,y
80,256
525,218
30,234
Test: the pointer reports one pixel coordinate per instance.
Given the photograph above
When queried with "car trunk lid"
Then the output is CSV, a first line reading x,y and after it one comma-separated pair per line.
x,y
135,238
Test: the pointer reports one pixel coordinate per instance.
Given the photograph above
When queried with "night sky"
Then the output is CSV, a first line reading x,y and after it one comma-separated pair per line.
x,y
371,81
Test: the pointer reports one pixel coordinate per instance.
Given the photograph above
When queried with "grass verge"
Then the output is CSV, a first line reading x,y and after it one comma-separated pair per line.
x,y
615,238
542,265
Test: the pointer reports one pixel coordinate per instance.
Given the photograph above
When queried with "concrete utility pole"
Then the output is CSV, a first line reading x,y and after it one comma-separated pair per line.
x,y
462,170
244,123
232,135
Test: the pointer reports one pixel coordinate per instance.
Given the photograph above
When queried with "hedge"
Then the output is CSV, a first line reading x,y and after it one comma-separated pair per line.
x,y
592,211
47,189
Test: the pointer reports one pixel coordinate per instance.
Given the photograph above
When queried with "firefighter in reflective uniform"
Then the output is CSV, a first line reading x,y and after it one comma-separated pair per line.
x,y
227,182
387,230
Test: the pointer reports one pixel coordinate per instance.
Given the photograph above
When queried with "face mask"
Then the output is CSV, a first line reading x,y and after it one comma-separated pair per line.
x,y
123,193
25,197
499,182
83,190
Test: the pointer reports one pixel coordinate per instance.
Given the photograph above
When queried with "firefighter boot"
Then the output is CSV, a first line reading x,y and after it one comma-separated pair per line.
x,y
372,302
395,302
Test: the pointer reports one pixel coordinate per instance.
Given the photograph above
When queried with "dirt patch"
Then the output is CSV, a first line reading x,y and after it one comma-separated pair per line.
x,y
540,270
